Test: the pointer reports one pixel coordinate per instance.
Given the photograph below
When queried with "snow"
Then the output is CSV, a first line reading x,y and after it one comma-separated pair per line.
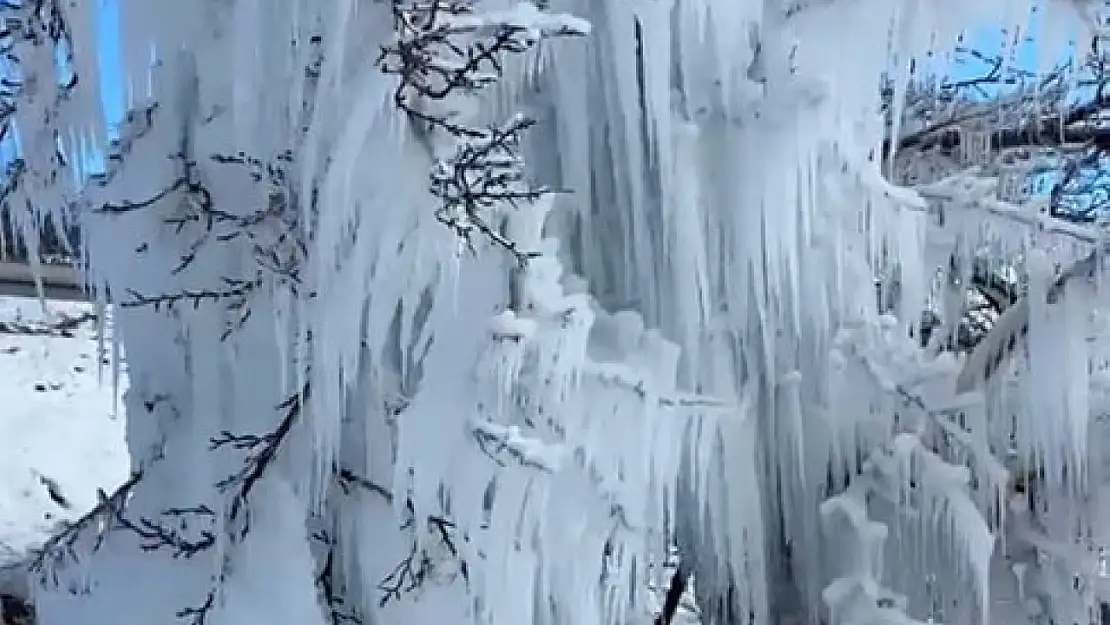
x,y
60,423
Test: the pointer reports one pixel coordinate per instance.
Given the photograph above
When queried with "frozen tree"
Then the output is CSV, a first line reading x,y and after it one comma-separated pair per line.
x,y
466,310
1022,243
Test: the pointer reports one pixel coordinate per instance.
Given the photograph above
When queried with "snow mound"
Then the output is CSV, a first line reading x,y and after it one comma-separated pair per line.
x,y
60,435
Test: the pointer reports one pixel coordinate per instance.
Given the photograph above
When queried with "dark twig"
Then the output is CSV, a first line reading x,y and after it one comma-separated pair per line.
x,y
674,595
263,450
60,548
414,569
440,50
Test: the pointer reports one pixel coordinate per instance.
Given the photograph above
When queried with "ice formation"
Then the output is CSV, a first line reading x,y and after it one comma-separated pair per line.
x,y
692,355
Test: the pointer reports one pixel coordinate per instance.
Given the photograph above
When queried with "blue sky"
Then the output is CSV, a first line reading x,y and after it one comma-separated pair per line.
x,y
108,55
994,40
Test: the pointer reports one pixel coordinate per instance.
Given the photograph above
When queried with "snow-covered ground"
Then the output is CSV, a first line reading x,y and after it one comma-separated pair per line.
x,y
60,436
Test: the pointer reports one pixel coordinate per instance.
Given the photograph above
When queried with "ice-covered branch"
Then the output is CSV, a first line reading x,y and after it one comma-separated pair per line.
x,y
968,191
414,569
262,450
498,440
60,548
171,532
272,232
333,594
924,414
63,327
198,614
446,47
420,565
485,173
676,588
348,480
1011,331
1047,129
444,52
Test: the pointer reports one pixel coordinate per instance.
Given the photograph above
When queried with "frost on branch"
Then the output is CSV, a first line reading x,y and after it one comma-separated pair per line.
x,y
445,53
272,233
447,47
484,174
